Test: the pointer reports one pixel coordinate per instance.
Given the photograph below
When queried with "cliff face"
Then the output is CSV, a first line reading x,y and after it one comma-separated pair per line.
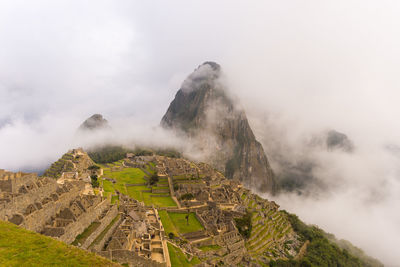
x,y
204,112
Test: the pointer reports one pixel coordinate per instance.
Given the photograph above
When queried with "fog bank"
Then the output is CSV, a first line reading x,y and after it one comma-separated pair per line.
x,y
298,68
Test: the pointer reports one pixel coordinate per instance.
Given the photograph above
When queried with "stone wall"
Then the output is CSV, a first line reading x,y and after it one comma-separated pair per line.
x,y
11,182
99,246
83,221
36,221
127,256
19,203
104,222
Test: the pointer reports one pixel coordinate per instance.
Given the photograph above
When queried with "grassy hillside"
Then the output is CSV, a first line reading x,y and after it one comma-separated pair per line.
x,y
20,247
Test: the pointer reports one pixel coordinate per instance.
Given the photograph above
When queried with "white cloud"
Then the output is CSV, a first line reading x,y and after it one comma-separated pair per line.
x,y
309,65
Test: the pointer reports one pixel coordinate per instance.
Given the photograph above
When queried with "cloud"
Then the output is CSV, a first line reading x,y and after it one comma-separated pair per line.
x,y
297,67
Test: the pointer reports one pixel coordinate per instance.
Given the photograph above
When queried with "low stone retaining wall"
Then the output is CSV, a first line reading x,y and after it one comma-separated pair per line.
x,y
99,246
135,184
104,222
127,256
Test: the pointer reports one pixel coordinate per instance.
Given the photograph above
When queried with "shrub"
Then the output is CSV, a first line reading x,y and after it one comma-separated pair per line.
x,y
187,196
171,235
153,179
94,167
95,181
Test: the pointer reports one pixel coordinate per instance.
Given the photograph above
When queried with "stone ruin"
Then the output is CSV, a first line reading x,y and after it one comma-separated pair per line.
x,y
138,237
45,206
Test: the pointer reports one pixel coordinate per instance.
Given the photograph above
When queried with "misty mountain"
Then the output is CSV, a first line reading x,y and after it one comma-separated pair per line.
x,y
95,122
297,172
203,111
333,140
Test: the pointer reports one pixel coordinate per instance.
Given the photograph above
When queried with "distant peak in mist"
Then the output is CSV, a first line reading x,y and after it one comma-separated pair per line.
x,y
95,122
338,140
215,66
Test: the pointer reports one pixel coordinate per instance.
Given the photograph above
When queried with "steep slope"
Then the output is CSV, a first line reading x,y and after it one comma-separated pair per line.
x,y
203,111
95,122
20,247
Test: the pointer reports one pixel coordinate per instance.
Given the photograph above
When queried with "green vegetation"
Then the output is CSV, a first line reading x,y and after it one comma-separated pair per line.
x,y
140,191
244,225
153,179
320,251
114,199
209,247
187,196
162,201
178,258
181,224
176,223
94,167
127,176
95,182
81,238
20,247
107,154
167,223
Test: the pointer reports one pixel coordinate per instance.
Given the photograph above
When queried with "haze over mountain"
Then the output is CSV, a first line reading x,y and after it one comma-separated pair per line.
x,y
203,110
298,68
95,122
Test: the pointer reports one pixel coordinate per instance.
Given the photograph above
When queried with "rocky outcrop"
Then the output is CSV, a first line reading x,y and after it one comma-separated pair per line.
x,y
203,111
95,122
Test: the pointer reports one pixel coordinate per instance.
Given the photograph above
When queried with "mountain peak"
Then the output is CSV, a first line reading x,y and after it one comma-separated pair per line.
x,y
204,112
95,122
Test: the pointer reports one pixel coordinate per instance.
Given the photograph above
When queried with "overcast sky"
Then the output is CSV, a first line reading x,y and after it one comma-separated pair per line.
x,y
308,65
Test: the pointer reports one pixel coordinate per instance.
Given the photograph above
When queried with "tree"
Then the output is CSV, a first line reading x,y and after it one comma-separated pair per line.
x,y
153,179
94,167
95,182
171,235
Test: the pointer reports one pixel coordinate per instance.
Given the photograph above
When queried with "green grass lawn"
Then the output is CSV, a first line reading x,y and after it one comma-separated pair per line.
x,y
167,222
179,222
127,176
114,199
20,247
210,247
163,201
108,186
178,258
135,176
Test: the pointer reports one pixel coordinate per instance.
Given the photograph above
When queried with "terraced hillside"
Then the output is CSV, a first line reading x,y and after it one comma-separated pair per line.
x,y
20,247
76,160
272,236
